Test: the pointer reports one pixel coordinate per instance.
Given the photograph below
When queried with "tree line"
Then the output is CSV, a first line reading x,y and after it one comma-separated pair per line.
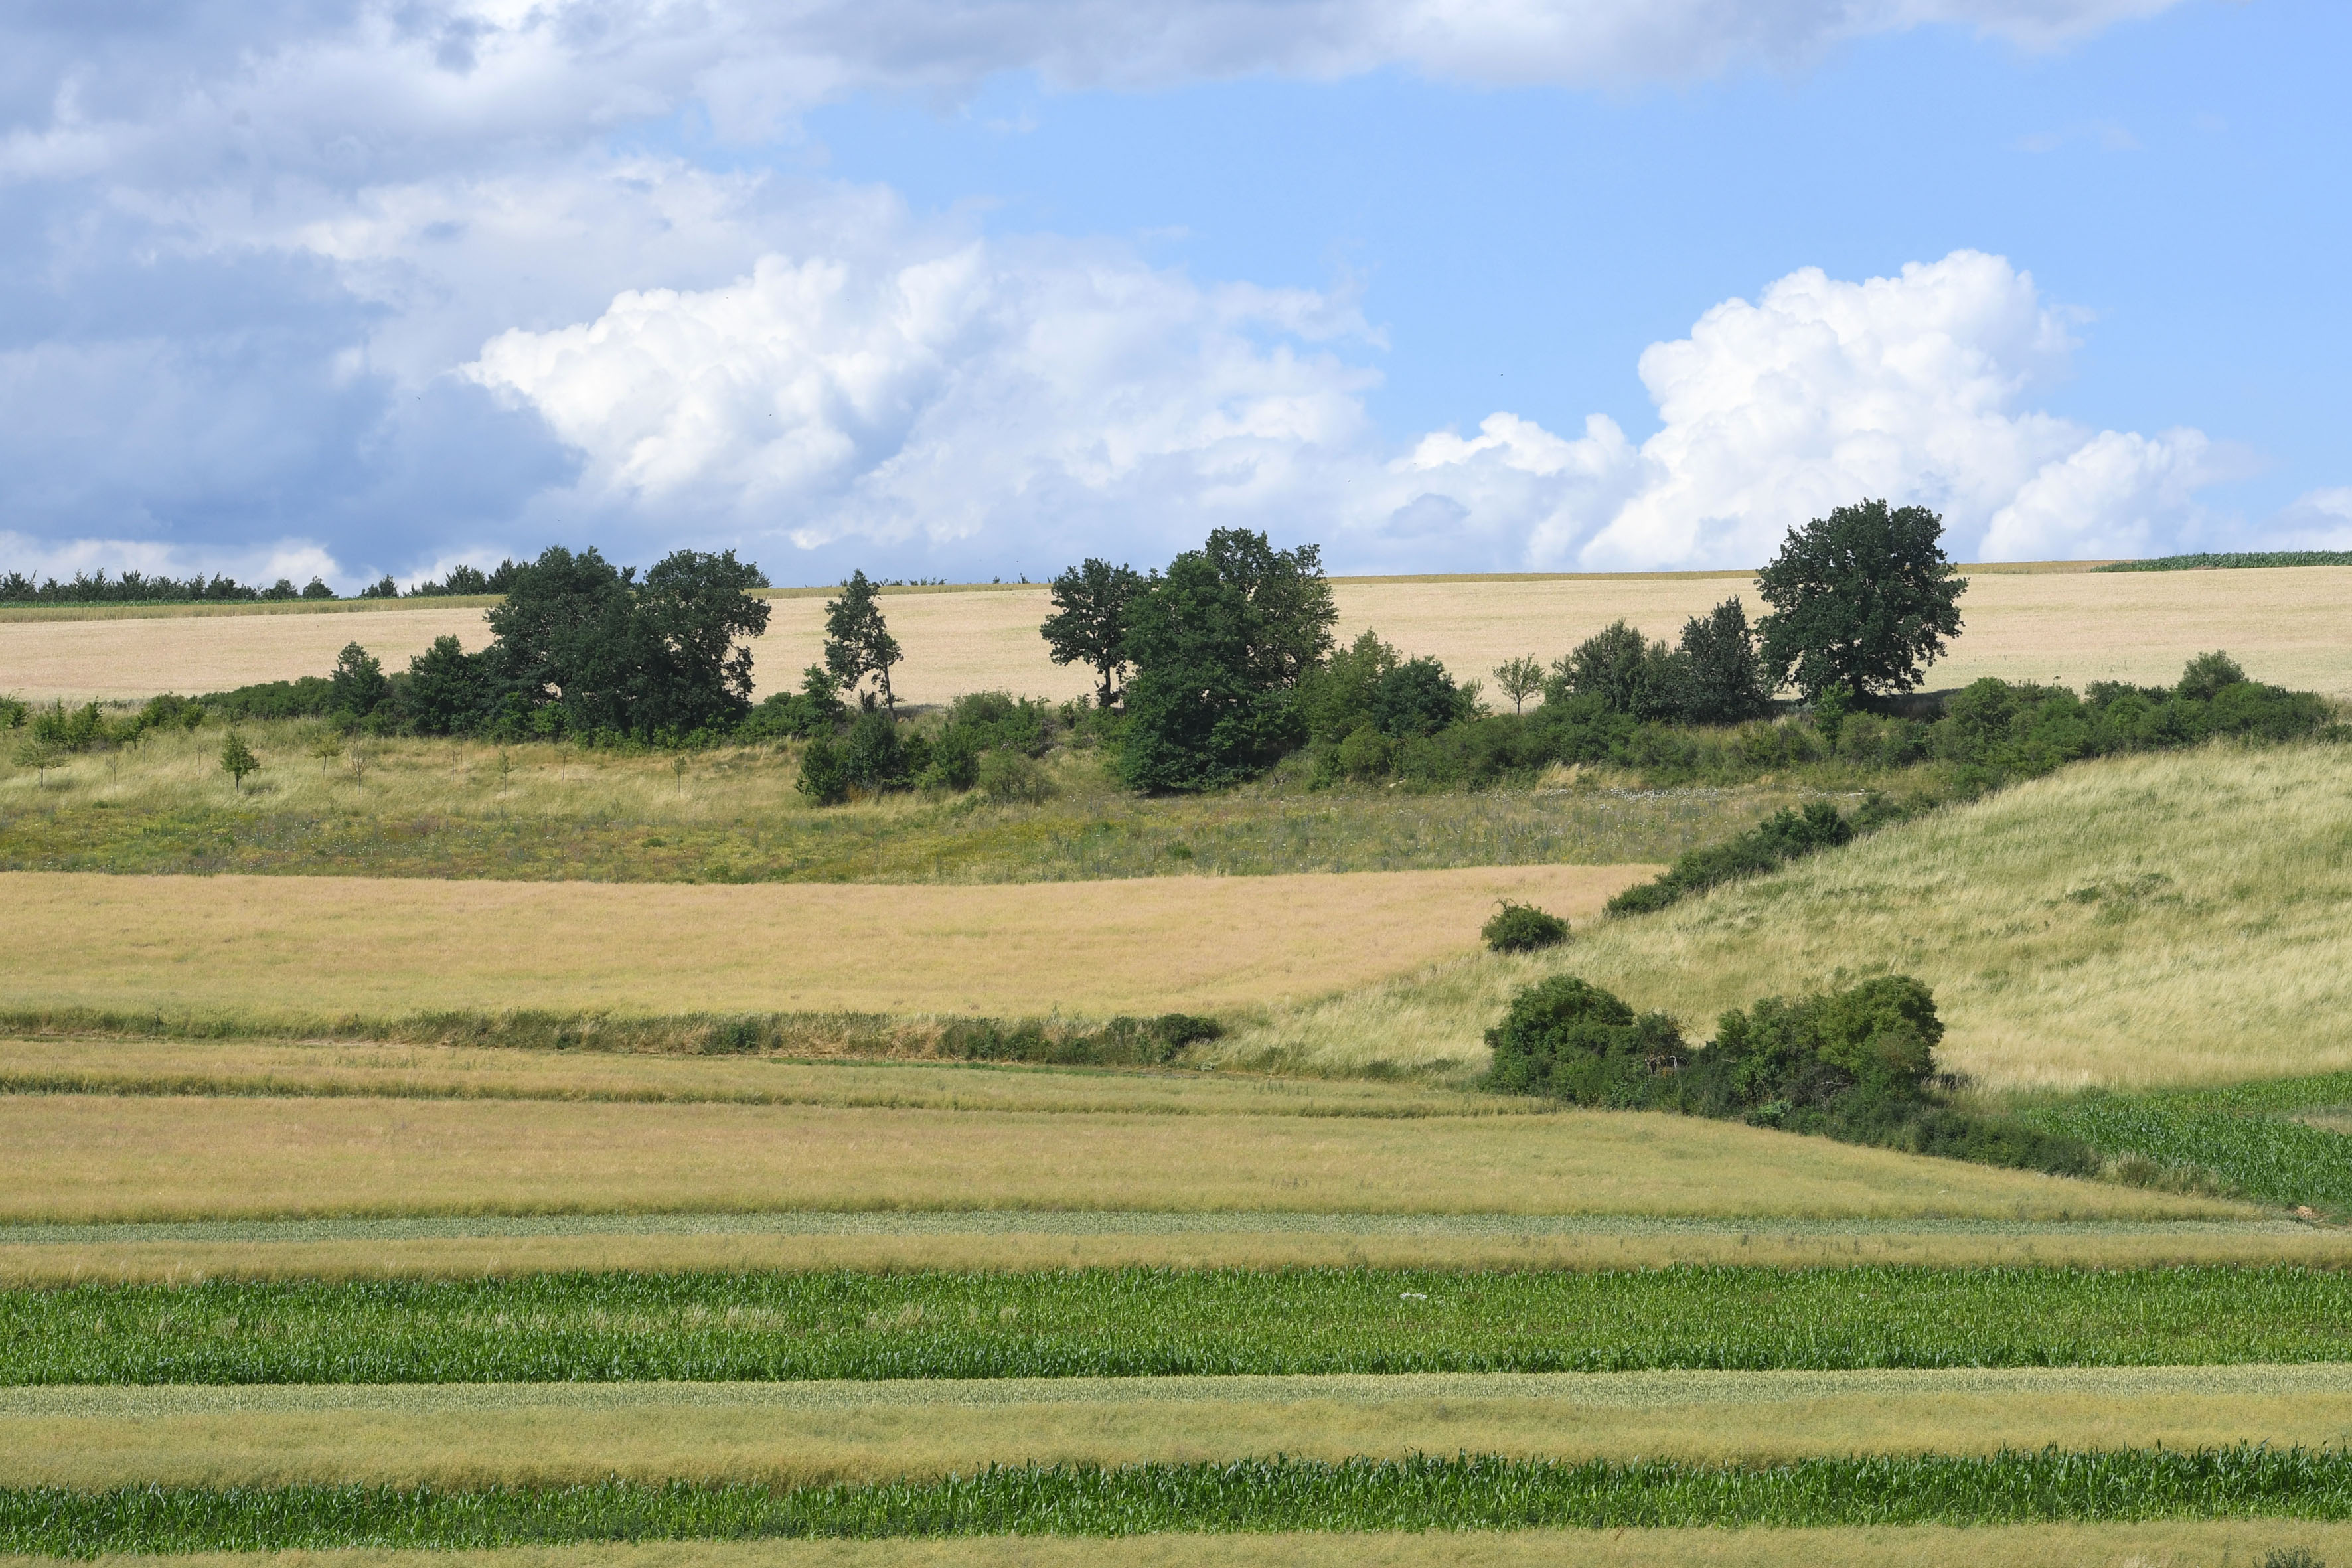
x,y
135,587
1225,663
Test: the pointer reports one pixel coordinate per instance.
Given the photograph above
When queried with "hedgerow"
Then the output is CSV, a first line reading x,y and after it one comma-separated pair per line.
x,y
1856,1065
1145,1323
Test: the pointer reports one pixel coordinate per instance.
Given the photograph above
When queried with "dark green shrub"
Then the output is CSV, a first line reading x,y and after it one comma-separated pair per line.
x,y
1624,671
1857,1065
1771,844
1009,778
358,685
815,709
11,712
1576,1042
1523,928
1416,698
873,754
824,778
2207,674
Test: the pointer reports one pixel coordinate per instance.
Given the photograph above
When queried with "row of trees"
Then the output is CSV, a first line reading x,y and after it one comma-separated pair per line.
x,y
135,587
580,648
1227,657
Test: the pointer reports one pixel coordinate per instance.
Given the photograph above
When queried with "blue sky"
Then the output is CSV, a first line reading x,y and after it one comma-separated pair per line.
x,y
934,289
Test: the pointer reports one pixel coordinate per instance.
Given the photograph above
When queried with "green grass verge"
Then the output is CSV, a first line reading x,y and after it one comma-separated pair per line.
x,y
2242,1137
1092,834
1062,1042
1145,1322
1251,1495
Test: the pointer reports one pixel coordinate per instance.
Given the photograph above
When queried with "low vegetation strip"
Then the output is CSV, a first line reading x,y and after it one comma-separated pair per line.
x,y
1417,1494
1152,1323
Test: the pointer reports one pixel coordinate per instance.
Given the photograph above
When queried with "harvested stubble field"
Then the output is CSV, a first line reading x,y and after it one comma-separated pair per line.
x,y
2184,1543
269,950
2175,919
805,1434
443,808
85,1158
2022,625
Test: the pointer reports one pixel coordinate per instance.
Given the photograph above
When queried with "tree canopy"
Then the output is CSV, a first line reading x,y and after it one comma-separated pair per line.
x,y
1220,644
1091,602
1862,599
857,641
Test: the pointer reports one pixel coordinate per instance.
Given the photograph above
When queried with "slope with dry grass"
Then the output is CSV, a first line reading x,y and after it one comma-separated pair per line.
x,y
2176,919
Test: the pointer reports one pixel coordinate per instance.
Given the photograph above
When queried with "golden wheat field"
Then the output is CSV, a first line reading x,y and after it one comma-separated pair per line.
x,y
2287,626
260,948
90,1158
815,1434
2204,1544
2175,919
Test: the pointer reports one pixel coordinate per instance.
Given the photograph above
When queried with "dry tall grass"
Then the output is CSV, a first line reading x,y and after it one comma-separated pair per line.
x,y
2194,1543
80,1158
2175,918
2284,624
813,1434
254,947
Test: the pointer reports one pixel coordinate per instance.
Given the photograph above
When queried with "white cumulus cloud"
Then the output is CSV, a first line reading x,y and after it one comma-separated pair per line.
x,y
1916,387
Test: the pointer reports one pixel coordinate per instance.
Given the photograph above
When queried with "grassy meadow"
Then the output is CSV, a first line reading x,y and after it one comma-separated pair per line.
x,y
2072,625
2172,920
416,807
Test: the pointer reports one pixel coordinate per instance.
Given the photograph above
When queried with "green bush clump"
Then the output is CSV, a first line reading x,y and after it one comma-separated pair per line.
x,y
1783,836
1857,1065
1421,1493
1523,928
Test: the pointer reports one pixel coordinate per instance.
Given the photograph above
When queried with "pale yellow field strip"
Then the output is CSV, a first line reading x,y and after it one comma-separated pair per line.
x,y
803,1434
63,1063
2203,1543
88,1158
2286,625
317,947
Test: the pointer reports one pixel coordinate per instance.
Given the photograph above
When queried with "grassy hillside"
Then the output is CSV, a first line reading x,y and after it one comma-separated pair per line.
x,y
2163,919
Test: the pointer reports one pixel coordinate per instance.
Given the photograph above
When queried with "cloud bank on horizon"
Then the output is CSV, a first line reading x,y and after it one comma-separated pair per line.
x,y
380,286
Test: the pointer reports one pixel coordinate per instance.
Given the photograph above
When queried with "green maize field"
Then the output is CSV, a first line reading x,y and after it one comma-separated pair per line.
x,y
1148,1323
1418,1494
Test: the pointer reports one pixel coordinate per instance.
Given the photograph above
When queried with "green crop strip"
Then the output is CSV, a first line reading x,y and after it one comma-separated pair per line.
x,y
1419,1494
2241,1135
1139,1322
